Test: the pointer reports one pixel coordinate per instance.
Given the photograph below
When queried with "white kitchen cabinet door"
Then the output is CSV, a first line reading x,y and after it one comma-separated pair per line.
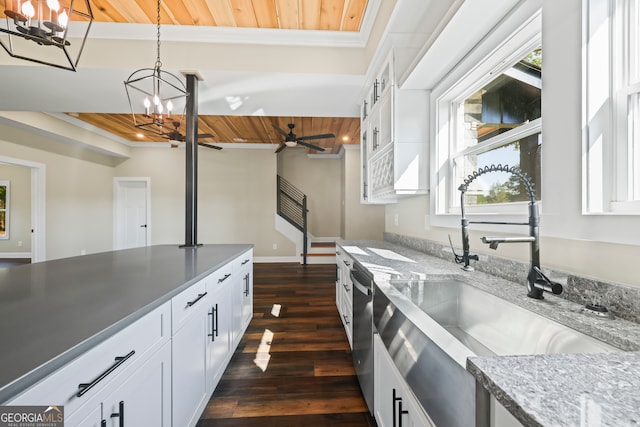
x,y
144,397
219,330
394,403
139,396
189,366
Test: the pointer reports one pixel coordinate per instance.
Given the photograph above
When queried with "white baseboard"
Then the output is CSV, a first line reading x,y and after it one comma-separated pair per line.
x,y
15,254
267,259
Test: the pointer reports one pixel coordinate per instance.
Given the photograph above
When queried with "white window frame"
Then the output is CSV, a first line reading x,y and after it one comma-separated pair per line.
x,y
611,129
512,48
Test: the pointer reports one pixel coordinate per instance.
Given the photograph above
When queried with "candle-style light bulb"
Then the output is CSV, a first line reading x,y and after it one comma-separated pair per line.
x,y
159,108
169,108
147,104
156,100
63,19
28,10
53,5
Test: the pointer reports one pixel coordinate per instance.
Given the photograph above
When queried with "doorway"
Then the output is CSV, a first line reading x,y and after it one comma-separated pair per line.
x,y
38,217
132,212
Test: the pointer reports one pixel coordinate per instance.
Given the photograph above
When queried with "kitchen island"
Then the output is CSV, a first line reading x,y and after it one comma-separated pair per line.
x,y
541,390
53,312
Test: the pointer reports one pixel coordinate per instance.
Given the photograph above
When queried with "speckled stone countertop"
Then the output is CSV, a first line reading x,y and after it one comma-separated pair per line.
x,y
539,390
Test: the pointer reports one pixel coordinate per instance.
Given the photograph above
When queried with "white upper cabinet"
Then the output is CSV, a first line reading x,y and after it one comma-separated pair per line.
x,y
393,137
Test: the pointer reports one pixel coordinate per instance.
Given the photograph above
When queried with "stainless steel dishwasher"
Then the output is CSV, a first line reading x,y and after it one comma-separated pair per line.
x,y
363,330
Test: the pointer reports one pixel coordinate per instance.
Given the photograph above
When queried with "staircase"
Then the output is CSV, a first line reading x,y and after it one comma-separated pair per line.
x,y
291,221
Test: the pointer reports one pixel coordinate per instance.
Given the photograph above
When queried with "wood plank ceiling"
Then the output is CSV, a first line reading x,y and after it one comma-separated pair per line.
x,y
242,129
333,15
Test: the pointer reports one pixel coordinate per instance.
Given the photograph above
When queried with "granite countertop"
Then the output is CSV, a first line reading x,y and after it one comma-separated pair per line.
x,y
545,390
51,312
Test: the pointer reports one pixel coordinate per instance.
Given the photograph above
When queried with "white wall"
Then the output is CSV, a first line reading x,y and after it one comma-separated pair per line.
x,y
236,196
320,179
78,199
599,246
360,222
19,229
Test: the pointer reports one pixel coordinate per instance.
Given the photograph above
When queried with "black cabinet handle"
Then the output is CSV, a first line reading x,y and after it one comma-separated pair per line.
x,y
214,323
85,387
226,276
346,319
119,414
246,285
245,261
347,263
394,399
103,423
401,413
200,296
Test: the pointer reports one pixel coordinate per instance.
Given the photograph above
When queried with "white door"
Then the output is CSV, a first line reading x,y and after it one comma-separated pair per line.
x,y
131,216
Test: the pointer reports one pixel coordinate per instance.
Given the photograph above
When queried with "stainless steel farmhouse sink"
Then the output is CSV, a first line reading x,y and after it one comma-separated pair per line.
x,y
431,326
489,325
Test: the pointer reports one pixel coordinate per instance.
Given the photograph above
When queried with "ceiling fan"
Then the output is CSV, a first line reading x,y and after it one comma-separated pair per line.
x,y
291,140
175,137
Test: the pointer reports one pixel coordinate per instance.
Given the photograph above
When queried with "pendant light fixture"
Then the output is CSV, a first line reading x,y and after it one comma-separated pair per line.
x,y
157,98
49,32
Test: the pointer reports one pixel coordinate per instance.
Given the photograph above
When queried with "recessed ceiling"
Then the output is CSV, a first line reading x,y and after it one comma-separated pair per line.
x,y
331,15
249,84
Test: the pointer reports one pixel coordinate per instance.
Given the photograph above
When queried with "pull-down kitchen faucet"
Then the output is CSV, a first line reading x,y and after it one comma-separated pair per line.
x,y
537,282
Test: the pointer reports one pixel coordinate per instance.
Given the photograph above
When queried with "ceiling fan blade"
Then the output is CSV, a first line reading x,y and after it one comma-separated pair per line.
x,y
323,136
306,144
281,147
204,144
204,135
281,131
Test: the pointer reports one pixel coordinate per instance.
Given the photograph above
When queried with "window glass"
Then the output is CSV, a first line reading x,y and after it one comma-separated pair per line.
x,y
502,187
490,127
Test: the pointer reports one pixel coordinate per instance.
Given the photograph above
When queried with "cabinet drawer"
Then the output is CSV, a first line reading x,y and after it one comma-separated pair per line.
x,y
186,303
219,277
244,261
99,366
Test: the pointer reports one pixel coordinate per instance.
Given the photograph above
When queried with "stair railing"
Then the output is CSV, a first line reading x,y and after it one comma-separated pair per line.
x,y
292,206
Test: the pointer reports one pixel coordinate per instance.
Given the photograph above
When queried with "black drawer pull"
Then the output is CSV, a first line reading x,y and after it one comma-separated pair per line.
x,y
85,387
226,276
119,414
245,261
214,323
200,296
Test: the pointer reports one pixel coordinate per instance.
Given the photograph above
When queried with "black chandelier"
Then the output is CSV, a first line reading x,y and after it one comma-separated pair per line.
x,y
41,30
157,98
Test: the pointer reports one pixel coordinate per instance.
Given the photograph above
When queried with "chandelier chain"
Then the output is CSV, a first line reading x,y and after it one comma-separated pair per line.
x,y
158,63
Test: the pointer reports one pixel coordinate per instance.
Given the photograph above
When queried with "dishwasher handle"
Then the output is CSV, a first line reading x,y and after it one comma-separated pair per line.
x,y
359,286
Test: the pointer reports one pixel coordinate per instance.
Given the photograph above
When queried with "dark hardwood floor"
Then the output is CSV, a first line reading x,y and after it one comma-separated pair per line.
x,y
293,366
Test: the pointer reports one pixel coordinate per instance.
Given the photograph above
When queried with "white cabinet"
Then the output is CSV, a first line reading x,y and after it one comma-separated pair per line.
x,y
161,369
142,397
82,385
189,354
344,292
219,287
393,136
395,405
242,295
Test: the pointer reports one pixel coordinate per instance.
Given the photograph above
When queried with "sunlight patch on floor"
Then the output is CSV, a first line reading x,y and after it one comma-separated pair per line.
x,y
275,310
262,355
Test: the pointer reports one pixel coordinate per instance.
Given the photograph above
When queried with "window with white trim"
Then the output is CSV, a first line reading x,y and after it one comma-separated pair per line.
x,y
611,100
493,116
